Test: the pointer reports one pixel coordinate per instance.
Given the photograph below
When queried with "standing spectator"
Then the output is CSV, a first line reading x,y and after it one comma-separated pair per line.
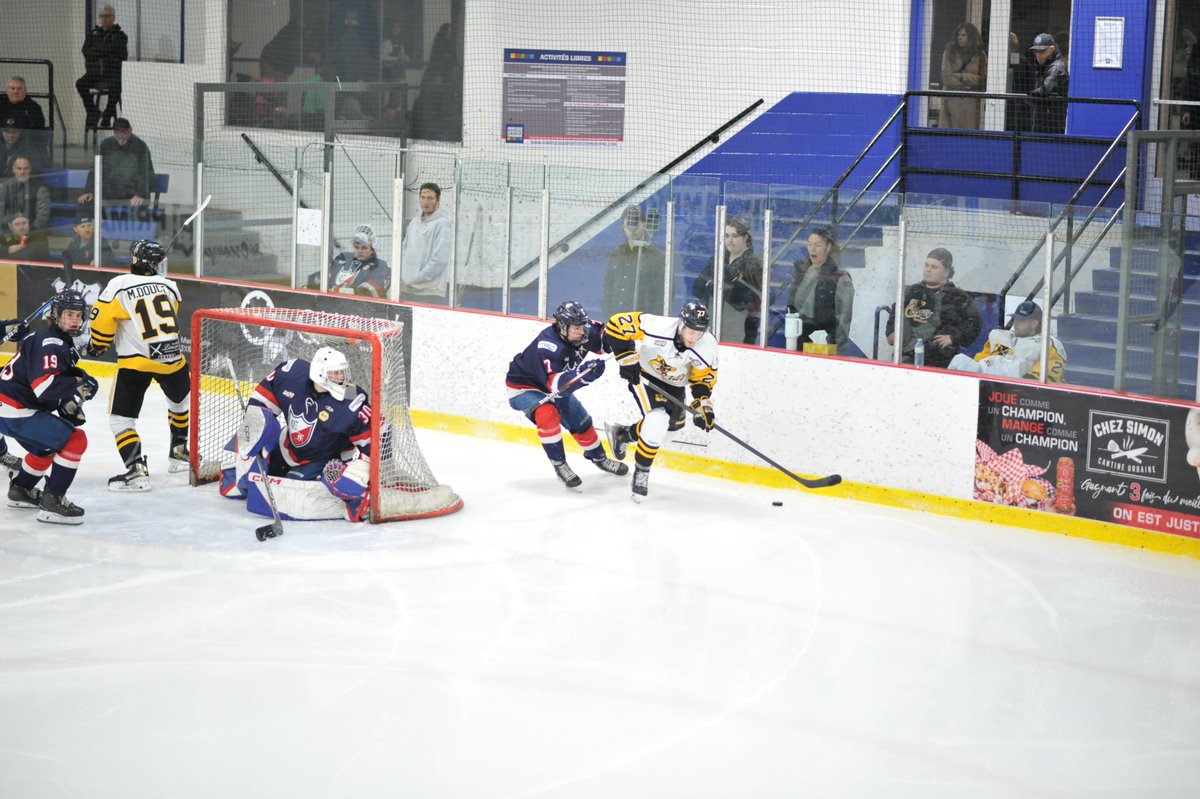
x,y
964,69
26,194
636,269
20,244
82,248
437,111
17,105
128,167
937,312
14,145
823,294
427,250
1191,114
742,291
1017,352
1049,107
359,272
104,50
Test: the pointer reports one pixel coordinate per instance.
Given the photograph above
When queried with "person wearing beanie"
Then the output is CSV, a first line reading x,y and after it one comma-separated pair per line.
x,y
937,312
360,270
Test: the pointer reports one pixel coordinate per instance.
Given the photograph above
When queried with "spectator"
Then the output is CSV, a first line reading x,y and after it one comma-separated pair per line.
x,y
17,105
82,248
1179,63
104,50
26,194
22,245
128,167
636,269
359,272
937,312
823,294
1017,352
14,145
964,69
1049,107
1191,114
437,111
427,250
742,290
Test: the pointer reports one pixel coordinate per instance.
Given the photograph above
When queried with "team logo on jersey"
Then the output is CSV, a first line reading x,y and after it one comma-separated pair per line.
x,y
301,426
660,366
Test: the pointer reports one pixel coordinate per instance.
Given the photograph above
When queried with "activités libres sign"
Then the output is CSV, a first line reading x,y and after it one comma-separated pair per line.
x,y
563,97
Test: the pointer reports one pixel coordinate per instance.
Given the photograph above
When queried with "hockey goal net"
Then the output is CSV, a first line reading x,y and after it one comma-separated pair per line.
x,y
244,344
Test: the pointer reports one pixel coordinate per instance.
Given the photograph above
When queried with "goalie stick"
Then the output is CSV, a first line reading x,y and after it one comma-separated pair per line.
x,y
187,222
275,528
820,482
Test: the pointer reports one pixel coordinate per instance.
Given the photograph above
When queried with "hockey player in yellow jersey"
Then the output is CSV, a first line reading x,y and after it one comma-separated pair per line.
x,y
140,313
661,355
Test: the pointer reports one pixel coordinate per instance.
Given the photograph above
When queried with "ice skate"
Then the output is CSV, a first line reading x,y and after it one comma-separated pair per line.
x,y
641,484
568,476
59,510
21,497
611,466
177,461
618,441
136,478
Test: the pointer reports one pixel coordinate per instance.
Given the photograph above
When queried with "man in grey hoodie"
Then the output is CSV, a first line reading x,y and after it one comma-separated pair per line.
x,y
427,251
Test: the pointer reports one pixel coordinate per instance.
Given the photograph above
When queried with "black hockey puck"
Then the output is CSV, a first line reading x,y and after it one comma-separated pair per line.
x,y
777,504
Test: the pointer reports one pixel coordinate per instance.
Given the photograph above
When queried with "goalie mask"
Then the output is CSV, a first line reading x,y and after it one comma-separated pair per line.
x,y
325,364
147,258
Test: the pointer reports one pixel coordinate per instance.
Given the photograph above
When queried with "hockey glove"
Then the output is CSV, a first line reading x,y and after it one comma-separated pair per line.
x,y
705,417
17,330
92,351
632,372
582,375
87,387
72,411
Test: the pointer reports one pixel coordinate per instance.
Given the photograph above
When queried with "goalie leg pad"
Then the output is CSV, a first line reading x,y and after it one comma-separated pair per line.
x,y
299,500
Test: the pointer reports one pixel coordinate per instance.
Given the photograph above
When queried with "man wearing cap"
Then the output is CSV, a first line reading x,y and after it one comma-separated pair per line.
x,y
128,167
26,194
1049,111
17,105
636,268
21,244
427,250
104,50
362,271
1017,352
82,248
14,145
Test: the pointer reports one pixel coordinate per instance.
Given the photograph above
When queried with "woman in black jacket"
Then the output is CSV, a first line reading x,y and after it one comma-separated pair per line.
x,y
742,291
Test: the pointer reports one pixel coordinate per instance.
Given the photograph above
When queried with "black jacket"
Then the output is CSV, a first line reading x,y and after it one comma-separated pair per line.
x,y
742,286
1049,103
103,51
929,312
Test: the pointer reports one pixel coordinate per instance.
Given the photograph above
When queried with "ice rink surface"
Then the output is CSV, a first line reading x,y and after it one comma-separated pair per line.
x,y
542,643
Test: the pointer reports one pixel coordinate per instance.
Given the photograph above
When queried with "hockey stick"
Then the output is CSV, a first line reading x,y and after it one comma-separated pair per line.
x,y
187,222
9,336
275,528
563,389
820,482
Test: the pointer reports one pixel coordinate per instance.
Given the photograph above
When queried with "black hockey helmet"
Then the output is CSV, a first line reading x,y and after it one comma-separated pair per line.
x,y
569,314
145,256
694,314
68,300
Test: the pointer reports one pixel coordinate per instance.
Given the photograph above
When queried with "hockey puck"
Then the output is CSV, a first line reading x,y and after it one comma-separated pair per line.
x,y
777,504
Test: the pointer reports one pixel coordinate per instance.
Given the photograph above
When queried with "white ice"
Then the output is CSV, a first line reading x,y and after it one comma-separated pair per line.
x,y
542,643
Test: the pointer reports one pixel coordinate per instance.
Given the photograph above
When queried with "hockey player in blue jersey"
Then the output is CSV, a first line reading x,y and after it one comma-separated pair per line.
x,y
42,392
542,380
322,449
11,330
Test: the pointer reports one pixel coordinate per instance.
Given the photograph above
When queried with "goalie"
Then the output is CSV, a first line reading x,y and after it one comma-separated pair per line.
x,y
321,450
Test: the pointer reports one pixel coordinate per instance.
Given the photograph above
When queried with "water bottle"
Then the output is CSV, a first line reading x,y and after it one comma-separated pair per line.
x,y
919,353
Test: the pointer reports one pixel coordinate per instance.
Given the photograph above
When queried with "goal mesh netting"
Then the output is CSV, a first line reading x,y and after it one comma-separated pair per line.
x,y
244,344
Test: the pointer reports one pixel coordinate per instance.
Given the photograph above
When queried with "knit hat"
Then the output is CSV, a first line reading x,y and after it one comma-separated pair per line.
x,y
365,234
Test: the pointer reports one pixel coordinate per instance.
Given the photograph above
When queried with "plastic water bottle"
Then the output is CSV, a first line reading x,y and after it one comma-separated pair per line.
x,y
919,353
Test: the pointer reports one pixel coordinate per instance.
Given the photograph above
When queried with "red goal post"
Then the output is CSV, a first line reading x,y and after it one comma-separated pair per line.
x,y
246,343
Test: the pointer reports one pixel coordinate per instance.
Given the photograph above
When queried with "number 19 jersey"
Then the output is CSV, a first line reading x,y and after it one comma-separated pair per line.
x,y
141,313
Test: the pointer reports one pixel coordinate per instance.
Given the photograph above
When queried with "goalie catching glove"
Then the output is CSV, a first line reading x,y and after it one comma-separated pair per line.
x,y
705,417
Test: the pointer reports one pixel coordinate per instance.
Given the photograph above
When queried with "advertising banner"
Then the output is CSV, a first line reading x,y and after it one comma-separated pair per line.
x,y
1112,459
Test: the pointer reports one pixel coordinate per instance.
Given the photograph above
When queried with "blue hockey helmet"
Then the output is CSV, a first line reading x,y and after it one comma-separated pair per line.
x,y
569,314
68,300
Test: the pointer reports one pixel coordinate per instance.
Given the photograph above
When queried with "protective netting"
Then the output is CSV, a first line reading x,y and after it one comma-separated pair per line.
x,y
244,344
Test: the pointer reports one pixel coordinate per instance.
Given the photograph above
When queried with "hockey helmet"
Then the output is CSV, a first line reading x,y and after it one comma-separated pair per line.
x,y
68,300
694,315
568,315
147,257
324,361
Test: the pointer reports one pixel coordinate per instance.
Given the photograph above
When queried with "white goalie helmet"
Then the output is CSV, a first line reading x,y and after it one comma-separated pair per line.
x,y
325,361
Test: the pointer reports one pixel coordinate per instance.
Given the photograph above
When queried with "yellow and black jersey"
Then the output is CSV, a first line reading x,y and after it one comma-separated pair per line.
x,y
650,341
140,313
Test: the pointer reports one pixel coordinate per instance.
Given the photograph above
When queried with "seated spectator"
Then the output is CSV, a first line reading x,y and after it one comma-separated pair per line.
x,y
1017,352
359,272
128,167
19,244
427,250
104,51
82,248
26,194
636,269
14,144
822,293
742,289
938,312
17,105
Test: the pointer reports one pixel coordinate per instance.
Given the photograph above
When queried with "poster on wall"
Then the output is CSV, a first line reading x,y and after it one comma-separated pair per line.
x,y
563,97
1111,459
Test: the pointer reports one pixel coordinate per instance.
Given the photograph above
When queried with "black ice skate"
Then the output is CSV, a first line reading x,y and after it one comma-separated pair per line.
x,y
135,478
568,476
641,484
11,463
177,461
22,497
618,441
611,466
59,510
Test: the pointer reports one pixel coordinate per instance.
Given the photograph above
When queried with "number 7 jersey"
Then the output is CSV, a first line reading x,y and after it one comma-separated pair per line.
x,y
141,313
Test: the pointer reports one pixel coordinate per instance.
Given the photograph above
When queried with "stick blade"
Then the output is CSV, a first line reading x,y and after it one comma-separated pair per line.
x,y
272,530
824,482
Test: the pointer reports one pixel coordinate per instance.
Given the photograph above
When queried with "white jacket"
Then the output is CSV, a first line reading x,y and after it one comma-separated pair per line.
x,y
427,253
